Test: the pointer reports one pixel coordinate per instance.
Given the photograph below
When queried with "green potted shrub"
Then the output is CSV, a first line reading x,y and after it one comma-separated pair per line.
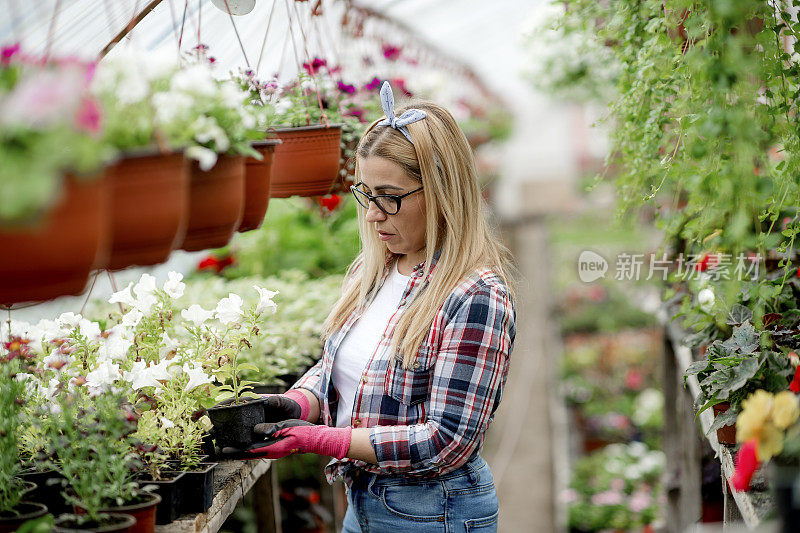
x,y
13,509
51,178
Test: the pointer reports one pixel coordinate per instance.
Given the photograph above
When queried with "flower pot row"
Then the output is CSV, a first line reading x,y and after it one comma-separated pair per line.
x,y
148,204
176,493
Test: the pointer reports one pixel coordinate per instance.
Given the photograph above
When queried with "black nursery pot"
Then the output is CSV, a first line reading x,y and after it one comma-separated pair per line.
x,y
169,489
197,489
111,523
25,511
785,482
48,490
233,423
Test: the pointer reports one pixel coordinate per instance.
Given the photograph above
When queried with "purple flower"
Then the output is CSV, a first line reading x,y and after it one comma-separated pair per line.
x,y
346,88
374,85
249,73
390,52
8,52
608,497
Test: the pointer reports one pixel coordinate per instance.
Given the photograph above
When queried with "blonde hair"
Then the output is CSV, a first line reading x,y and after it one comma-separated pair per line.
x,y
441,160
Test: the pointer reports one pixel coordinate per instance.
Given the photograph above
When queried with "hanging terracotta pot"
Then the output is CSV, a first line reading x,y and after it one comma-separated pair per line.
x,y
55,255
307,161
257,178
149,207
216,203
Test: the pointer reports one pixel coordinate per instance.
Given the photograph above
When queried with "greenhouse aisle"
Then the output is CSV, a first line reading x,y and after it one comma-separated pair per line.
x,y
518,446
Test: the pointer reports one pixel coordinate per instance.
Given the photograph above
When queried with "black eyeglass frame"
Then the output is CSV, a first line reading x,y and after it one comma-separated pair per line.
x,y
370,197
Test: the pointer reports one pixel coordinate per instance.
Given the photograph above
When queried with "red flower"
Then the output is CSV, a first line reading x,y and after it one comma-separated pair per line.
x,y
314,66
746,465
706,262
795,385
329,202
210,263
634,379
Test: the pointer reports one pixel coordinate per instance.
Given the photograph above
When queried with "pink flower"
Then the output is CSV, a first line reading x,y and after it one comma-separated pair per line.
x,y
639,501
89,116
314,66
633,379
346,88
8,52
373,85
617,484
608,497
390,52
746,465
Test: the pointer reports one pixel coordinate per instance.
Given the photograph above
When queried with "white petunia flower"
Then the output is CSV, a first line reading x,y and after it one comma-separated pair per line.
x,y
205,157
229,309
123,297
89,329
161,371
196,376
166,423
197,315
173,286
102,377
168,346
195,79
132,318
115,347
706,300
265,297
68,321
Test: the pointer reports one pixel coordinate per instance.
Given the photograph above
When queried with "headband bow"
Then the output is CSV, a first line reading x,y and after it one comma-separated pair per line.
x,y
398,123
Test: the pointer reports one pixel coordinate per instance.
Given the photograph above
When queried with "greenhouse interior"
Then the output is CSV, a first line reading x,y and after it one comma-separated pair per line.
x,y
323,266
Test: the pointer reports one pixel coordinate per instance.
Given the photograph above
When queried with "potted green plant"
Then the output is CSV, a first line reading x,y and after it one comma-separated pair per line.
x,y
223,128
88,442
146,123
55,196
732,369
13,510
307,160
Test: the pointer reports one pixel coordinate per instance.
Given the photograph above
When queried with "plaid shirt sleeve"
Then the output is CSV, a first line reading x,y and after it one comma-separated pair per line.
x,y
469,374
311,380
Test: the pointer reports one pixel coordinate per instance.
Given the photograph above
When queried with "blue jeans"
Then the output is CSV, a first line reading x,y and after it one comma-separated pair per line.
x,y
462,501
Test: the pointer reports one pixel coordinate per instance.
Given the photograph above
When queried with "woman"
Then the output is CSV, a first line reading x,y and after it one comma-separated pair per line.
x,y
417,347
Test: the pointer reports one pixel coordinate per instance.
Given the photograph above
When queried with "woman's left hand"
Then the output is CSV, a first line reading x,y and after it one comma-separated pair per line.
x,y
295,436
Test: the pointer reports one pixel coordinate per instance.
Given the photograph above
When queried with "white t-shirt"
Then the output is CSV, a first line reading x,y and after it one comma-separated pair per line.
x,y
362,340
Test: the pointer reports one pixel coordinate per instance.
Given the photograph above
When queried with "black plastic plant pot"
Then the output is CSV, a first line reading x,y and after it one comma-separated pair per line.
x,y
108,523
233,423
784,482
272,388
48,490
25,511
197,490
169,488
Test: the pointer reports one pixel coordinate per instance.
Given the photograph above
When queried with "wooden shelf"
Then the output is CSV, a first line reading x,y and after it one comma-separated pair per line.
x,y
232,480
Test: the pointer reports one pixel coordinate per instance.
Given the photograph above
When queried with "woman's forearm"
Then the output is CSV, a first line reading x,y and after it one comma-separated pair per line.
x,y
313,405
361,447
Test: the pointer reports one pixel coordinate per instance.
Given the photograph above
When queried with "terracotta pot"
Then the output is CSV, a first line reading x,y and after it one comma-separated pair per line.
x,y
144,513
216,203
27,511
257,177
113,523
55,255
307,161
150,207
725,434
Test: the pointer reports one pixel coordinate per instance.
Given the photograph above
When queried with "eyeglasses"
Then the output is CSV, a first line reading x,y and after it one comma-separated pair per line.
x,y
388,203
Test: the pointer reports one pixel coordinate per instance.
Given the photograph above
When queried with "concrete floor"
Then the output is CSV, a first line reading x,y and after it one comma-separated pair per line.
x,y
518,445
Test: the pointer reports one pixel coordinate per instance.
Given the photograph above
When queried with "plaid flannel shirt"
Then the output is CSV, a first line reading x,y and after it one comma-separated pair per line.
x,y
431,418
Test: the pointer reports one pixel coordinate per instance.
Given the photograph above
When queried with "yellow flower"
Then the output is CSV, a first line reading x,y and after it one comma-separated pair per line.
x,y
770,442
755,413
785,409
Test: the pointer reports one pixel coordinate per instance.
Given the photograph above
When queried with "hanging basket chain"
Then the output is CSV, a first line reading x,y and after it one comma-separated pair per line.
x,y
51,30
236,31
294,47
266,32
308,58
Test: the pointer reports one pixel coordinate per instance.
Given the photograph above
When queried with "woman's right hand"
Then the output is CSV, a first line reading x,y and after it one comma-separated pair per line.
x,y
292,404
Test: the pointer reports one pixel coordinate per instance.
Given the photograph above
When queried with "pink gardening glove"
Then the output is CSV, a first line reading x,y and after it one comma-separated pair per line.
x,y
289,405
296,436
